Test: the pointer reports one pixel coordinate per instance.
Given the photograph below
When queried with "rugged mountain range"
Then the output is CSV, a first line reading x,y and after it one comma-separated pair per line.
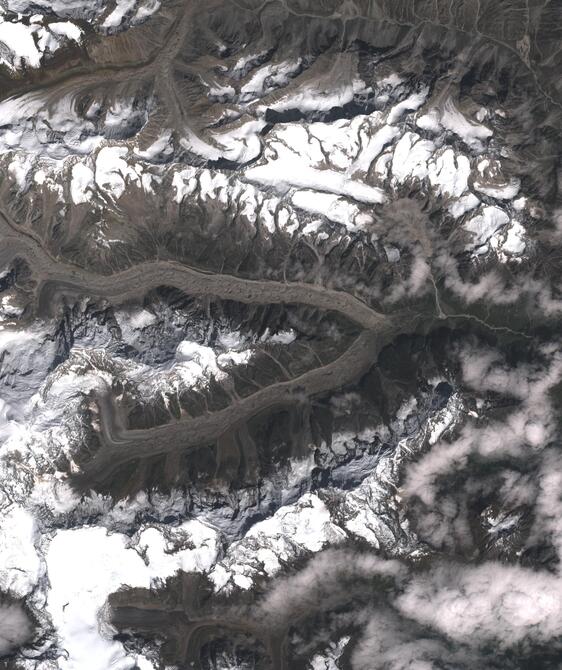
x,y
280,357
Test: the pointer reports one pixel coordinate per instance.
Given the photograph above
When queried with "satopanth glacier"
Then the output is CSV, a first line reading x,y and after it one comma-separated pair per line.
x,y
280,315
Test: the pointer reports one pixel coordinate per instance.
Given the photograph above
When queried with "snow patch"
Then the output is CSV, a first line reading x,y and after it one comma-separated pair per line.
x,y
334,208
25,45
484,225
82,184
292,173
295,529
20,565
85,565
464,204
473,134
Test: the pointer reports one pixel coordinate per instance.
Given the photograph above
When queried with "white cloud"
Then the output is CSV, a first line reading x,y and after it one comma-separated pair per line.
x,y
489,603
15,627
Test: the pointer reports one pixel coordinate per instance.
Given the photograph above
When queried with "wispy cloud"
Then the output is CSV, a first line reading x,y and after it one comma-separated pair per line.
x,y
15,627
503,604
325,579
